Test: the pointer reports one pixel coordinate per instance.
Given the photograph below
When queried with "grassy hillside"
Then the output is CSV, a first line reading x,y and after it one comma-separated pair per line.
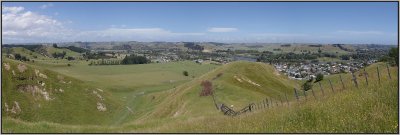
x,y
241,83
367,109
33,94
371,109
139,87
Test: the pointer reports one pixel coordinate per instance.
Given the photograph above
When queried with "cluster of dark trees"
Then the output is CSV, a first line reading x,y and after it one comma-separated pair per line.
x,y
70,58
341,47
59,55
392,57
29,47
193,46
77,49
73,48
20,57
99,55
315,45
134,59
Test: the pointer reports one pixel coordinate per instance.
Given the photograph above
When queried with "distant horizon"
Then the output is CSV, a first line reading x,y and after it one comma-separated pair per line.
x,y
223,22
191,41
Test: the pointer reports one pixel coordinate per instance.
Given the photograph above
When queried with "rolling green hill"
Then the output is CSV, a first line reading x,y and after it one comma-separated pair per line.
x,y
371,109
34,94
241,83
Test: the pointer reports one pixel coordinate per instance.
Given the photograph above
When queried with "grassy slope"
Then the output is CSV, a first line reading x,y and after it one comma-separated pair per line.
x,y
25,52
75,105
185,102
368,109
138,86
50,50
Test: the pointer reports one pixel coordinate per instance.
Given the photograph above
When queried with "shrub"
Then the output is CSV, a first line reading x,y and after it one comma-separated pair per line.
x,y
319,77
185,73
207,88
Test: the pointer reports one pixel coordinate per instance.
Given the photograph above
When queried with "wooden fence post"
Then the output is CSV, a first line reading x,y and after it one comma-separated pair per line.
x,y
365,75
266,100
387,67
295,93
280,98
312,90
330,83
264,103
250,107
354,79
305,95
272,105
341,80
379,77
322,90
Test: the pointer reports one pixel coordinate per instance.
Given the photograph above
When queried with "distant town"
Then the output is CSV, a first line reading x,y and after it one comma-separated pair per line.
x,y
297,61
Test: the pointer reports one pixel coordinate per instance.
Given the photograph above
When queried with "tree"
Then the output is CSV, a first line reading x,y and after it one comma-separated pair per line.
x,y
345,57
185,73
394,55
307,85
319,77
208,90
133,59
17,56
55,45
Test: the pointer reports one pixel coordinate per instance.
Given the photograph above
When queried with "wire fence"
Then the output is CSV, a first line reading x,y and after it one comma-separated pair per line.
x,y
315,92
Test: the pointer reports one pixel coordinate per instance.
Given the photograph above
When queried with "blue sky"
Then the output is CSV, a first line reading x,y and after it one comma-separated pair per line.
x,y
269,22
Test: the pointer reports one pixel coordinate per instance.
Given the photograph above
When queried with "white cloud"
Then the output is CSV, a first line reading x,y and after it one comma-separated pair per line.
x,y
216,29
351,32
46,6
12,10
28,25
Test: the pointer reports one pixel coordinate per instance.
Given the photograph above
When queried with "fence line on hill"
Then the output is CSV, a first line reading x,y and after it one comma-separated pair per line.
x,y
268,103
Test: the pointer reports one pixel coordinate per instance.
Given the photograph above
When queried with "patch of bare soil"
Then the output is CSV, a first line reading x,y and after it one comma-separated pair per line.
x,y
101,107
60,79
129,109
6,66
98,95
237,78
37,73
43,75
14,109
99,89
35,91
22,68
